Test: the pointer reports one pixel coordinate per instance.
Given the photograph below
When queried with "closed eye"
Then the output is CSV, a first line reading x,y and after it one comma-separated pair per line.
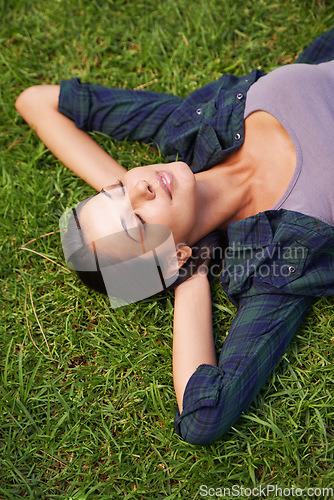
x,y
120,183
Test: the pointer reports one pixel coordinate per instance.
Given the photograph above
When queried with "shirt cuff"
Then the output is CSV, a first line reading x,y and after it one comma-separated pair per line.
x,y
202,390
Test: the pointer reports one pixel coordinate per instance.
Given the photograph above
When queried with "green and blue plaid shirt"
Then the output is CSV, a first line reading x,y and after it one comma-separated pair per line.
x,y
276,262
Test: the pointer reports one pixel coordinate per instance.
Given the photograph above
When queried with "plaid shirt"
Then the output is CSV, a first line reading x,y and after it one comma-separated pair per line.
x,y
276,262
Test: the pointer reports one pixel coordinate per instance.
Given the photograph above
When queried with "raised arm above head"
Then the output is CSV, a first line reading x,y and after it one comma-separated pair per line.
x,y
193,343
38,105
215,396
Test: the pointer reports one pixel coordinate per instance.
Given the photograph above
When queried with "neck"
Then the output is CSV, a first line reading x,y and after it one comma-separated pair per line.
x,y
224,195
250,180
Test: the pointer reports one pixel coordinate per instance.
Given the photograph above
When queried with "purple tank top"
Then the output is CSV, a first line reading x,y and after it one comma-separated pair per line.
x,y
301,98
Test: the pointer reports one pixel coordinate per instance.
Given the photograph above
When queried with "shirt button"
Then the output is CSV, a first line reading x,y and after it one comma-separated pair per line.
x,y
292,269
240,96
199,111
237,137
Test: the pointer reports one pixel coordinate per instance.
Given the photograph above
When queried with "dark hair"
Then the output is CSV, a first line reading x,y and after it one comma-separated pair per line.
x,y
208,251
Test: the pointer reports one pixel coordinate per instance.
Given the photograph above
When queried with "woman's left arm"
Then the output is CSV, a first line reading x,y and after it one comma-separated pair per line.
x,y
215,396
193,343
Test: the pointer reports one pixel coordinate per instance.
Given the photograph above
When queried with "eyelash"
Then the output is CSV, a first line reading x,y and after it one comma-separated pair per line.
x,y
120,183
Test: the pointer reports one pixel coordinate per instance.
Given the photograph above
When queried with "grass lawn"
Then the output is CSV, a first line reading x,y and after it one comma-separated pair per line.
x,y
86,394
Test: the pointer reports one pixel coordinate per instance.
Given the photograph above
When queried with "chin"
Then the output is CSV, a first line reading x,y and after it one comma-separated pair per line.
x,y
182,169
181,164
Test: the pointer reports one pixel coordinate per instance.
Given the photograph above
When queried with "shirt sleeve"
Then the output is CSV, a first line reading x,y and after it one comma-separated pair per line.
x,y
119,113
320,50
199,129
216,396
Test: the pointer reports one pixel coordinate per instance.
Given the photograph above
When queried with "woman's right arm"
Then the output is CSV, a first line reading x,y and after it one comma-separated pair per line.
x,y
38,106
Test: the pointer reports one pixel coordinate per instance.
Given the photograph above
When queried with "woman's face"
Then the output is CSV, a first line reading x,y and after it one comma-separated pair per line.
x,y
162,194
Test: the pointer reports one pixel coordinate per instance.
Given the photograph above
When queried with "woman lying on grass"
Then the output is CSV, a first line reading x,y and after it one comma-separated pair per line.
x,y
257,164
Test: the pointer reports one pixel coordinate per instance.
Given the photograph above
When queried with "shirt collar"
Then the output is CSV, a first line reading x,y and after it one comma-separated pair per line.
x,y
284,225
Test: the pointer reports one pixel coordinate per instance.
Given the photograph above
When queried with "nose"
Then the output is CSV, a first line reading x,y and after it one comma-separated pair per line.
x,y
141,191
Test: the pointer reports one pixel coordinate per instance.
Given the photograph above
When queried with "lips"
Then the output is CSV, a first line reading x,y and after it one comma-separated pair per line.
x,y
165,181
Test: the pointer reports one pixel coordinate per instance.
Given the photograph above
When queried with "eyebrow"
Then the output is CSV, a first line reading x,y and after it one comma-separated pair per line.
x,y
77,222
76,218
106,193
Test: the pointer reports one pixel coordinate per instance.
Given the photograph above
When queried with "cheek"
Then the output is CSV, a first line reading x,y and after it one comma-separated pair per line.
x,y
183,224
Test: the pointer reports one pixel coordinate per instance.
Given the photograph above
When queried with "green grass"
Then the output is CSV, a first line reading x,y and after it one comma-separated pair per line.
x,y
86,395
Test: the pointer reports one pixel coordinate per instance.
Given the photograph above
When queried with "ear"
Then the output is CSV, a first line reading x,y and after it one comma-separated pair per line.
x,y
175,261
183,253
